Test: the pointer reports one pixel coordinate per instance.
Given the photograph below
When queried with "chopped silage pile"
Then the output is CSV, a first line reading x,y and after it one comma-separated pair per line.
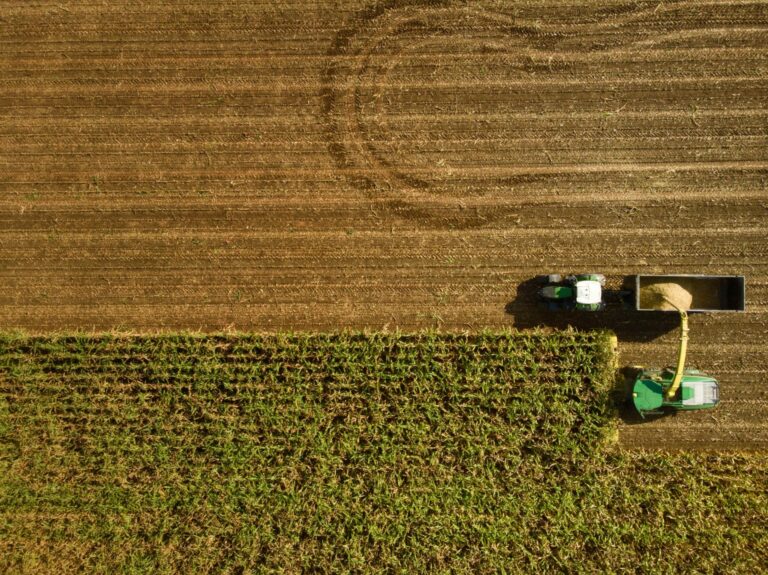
x,y
665,297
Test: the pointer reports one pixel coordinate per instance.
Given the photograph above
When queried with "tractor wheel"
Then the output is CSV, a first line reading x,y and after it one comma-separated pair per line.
x,y
554,278
601,279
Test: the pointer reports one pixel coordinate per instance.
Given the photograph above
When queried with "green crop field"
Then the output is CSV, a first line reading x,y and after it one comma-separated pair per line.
x,y
397,453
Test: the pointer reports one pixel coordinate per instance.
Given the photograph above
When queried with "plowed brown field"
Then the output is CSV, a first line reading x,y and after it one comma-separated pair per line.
x,y
329,164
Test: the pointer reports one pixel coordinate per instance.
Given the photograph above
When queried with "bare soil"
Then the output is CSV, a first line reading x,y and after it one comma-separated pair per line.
x,y
397,164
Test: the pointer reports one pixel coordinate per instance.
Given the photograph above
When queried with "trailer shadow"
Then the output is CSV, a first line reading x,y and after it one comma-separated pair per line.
x,y
627,323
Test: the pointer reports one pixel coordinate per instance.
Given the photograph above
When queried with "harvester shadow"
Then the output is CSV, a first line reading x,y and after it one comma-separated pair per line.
x,y
627,323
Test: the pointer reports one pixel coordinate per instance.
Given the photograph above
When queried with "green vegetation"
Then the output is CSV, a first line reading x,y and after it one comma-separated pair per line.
x,y
349,453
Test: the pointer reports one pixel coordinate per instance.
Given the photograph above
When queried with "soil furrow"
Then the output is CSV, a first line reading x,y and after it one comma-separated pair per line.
x,y
319,166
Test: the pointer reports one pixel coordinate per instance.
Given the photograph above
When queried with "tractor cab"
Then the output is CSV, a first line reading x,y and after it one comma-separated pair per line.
x,y
582,292
589,292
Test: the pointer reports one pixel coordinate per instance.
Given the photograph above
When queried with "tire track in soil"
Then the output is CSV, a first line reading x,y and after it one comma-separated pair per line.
x,y
351,142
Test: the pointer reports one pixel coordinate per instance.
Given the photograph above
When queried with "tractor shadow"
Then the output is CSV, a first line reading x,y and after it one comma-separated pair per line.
x,y
618,316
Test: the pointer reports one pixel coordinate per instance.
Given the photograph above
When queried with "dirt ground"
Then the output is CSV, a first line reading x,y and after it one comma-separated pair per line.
x,y
400,164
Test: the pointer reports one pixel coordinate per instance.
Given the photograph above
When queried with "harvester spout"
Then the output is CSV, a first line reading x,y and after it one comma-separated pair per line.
x,y
681,355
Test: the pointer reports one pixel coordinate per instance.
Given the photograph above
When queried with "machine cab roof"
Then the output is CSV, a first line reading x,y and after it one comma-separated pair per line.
x,y
589,292
699,392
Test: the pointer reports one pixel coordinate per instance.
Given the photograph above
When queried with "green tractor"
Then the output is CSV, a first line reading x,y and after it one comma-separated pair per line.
x,y
656,391
582,292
